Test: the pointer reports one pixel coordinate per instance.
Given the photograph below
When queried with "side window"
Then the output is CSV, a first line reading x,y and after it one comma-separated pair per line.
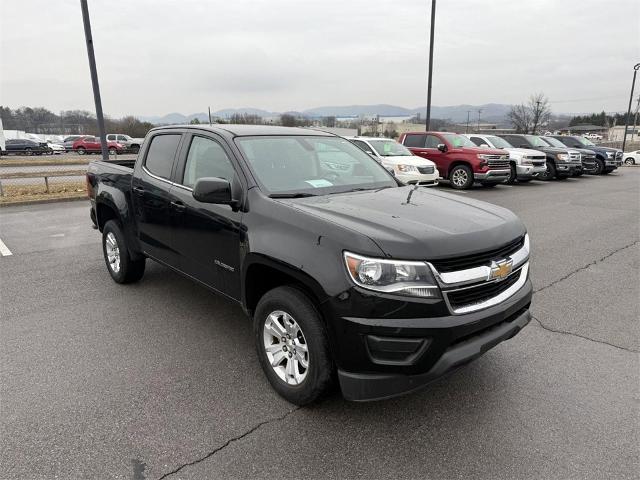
x,y
206,158
432,141
111,137
161,153
363,146
516,140
479,141
414,140
121,137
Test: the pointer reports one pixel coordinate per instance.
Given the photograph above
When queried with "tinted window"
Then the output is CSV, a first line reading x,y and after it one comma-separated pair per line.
x,y
206,158
432,141
122,137
414,140
479,141
111,137
516,141
362,145
12,142
161,154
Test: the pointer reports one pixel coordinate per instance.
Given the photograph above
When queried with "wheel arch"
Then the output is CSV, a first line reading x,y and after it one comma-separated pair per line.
x,y
455,163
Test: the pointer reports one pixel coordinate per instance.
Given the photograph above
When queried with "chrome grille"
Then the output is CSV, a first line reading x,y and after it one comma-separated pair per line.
x,y
618,154
484,258
498,163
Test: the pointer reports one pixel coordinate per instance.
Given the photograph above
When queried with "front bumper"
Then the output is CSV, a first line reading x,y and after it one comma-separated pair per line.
x,y
568,168
529,171
492,176
426,179
380,358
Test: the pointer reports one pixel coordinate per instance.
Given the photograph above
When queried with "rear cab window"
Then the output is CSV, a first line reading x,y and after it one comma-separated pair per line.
x,y
161,154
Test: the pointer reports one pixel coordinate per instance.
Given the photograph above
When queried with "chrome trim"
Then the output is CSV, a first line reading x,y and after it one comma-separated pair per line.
x,y
501,297
144,168
482,273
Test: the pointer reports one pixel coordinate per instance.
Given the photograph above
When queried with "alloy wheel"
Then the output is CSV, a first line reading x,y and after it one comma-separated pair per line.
x,y
286,347
113,252
459,177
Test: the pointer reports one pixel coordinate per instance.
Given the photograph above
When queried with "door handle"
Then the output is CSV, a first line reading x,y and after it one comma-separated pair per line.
x,y
178,205
138,190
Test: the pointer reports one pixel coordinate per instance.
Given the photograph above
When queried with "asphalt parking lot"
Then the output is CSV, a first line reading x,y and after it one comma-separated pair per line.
x,y
160,379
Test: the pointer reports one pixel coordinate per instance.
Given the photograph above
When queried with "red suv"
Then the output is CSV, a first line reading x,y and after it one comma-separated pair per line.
x,y
458,159
92,145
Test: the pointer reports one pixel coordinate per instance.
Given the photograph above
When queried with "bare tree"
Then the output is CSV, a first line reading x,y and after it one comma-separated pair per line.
x,y
540,111
520,117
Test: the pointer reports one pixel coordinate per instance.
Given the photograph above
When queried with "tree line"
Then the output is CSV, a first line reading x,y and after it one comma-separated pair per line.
x,y
42,121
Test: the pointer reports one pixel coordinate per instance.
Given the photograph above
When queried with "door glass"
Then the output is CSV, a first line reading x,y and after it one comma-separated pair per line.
x,y
416,141
161,153
206,158
432,142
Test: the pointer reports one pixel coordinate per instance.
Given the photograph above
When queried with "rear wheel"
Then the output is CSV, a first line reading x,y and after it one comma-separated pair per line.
x,y
292,345
121,266
629,161
28,151
461,177
112,151
81,150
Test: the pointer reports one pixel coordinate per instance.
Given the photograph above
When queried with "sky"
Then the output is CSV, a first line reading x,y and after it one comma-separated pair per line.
x,y
161,56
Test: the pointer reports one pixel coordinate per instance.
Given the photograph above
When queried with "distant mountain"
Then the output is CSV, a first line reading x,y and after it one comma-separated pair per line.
x,y
490,112
357,110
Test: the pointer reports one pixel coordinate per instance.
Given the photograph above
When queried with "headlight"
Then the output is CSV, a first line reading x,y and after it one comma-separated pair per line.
x,y
610,154
527,160
482,156
563,156
406,168
408,278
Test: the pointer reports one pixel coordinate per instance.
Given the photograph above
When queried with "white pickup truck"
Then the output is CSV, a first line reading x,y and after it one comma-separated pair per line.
x,y
132,144
526,164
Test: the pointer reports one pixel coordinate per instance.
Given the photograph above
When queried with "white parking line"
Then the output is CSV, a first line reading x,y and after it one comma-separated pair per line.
x,y
4,251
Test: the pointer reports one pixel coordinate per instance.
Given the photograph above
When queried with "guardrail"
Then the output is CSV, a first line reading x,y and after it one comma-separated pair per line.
x,y
46,175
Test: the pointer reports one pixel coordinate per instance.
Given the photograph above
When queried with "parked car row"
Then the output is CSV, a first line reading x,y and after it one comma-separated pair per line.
x,y
489,159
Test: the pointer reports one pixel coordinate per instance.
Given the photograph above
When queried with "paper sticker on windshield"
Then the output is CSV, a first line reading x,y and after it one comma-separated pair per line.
x,y
319,183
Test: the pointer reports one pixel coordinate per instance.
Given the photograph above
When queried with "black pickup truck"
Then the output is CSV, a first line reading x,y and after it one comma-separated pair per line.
x,y
607,158
346,273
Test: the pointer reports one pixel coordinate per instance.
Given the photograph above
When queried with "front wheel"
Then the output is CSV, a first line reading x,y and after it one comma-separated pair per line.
x,y
512,175
549,173
112,151
122,268
599,167
28,151
81,151
292,345
461,177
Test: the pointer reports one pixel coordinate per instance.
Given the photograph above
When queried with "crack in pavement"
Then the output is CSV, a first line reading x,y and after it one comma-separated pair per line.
x,y
569,275
229,442
584,267
564,332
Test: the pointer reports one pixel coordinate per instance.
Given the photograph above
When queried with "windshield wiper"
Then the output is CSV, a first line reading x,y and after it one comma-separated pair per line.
x,y
292,195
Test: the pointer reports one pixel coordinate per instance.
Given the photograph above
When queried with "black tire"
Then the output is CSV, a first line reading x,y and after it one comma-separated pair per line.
x,y
320,373
113,151
28,151
80,150
513,176
550,173
135,148
599,167
461,177
129,270
629,161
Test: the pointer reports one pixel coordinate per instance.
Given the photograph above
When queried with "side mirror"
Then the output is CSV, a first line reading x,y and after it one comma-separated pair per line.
x,y
484,145
442,147
213,190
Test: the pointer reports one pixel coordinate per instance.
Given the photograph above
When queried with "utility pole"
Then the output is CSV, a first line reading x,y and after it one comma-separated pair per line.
x,y
479,112
626,122
429,81
94,78
466,130
209,116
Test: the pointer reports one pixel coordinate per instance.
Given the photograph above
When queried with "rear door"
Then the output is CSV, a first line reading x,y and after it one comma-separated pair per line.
x,y
152,196
207,236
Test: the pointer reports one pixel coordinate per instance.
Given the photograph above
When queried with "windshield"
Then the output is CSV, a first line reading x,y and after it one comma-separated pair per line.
x,y
458,140
498,142
585,142
554,142
311,165
390,148
537,141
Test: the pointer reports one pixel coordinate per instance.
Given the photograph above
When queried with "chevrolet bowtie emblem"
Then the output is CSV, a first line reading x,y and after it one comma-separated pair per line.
x,y
500,270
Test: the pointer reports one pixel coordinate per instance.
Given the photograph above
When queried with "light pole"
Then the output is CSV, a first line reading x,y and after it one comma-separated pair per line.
x,y
94,78
433,26
479,112
466,130
626,121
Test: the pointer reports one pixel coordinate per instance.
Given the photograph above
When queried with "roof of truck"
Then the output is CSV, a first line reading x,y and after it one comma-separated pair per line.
x,y
251,130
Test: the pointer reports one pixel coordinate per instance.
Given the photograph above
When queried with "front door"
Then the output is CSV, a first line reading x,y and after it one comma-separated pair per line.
x,y
207,236
152,193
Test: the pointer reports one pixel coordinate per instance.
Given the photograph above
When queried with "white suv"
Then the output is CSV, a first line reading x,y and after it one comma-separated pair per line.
x,y
526,163
407,167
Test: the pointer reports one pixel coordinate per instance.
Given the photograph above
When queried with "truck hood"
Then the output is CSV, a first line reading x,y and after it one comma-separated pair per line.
x,y
479,150
521,152
407,160
433,225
